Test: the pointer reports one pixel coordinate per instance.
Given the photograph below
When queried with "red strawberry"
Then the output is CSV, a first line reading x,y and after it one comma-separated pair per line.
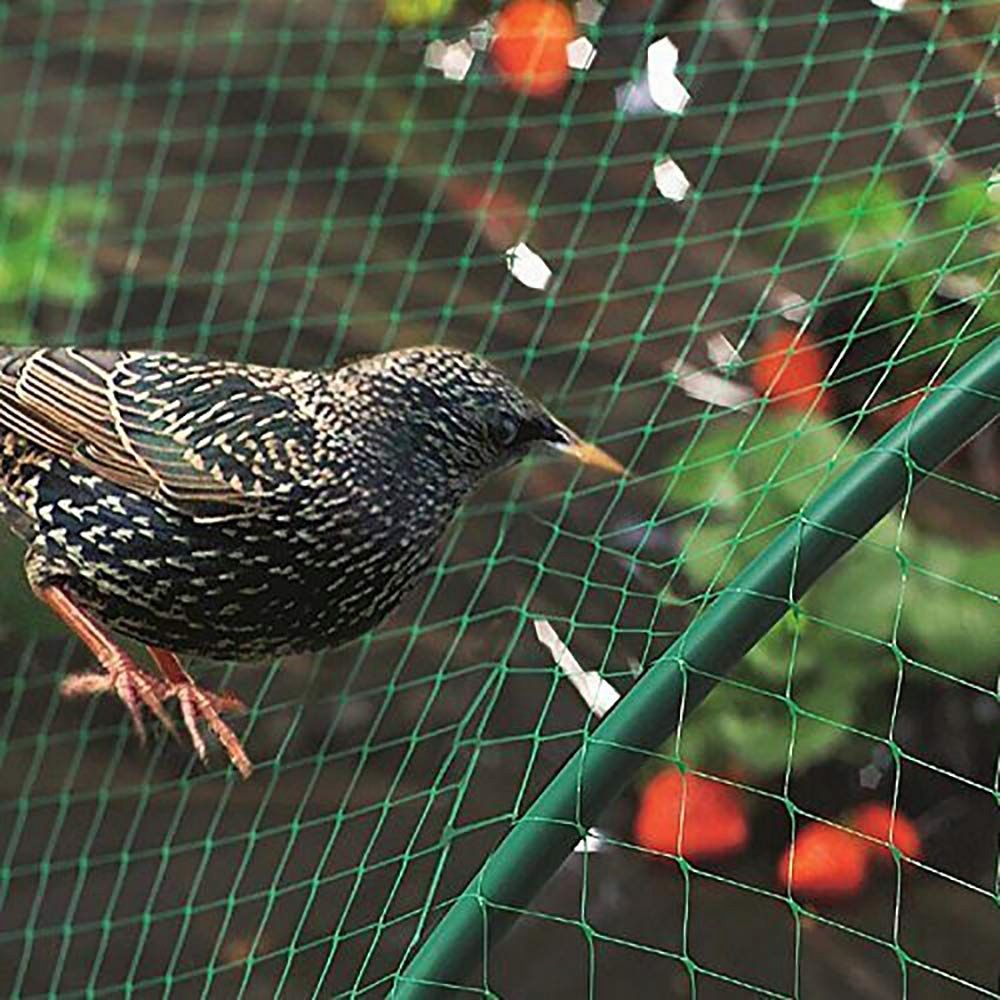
x,y
875,819
529,46
886,416
789,370
691,816
828,864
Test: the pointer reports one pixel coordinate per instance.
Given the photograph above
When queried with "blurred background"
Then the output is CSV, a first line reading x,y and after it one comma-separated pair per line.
x,y
732,242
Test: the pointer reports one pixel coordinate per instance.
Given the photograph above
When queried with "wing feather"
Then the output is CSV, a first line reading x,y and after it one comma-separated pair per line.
x,y
180,429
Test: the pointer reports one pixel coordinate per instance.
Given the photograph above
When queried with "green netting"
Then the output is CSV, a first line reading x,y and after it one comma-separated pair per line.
x,y
746,292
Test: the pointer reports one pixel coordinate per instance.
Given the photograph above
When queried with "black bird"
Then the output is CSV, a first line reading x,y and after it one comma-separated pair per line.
x,y
238,512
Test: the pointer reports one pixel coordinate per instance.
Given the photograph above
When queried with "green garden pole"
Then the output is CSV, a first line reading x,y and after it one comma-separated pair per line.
x,y
716,640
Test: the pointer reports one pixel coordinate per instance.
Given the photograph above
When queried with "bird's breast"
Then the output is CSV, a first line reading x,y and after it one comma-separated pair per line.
x,y
314,571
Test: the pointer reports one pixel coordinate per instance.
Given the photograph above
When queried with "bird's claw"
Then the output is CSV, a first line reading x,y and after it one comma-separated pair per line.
x,y
137,688
133,686
196,704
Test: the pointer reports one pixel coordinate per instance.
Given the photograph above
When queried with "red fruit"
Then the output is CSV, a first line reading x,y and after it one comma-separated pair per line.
x,y
874,819
889,415
908,405
828,865
529,46
790,369
694,817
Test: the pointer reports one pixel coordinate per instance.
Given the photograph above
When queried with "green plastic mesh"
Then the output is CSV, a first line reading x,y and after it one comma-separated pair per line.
x,y
299,181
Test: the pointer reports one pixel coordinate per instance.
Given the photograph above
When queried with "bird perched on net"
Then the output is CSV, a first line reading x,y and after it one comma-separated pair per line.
x,y
237,512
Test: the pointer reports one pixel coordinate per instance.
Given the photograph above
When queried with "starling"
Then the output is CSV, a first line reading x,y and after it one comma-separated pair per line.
x,y
237,512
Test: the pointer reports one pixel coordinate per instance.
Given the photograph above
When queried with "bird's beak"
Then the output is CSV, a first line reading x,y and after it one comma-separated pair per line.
x,y
587,453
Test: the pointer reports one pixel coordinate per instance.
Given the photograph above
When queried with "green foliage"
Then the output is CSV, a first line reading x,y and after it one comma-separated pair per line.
x,y
868,221
37,261
930,262
20,610
901,595
410,13
884,236
971,203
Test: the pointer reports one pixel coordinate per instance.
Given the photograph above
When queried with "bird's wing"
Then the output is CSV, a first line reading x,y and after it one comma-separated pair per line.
x,y
205,437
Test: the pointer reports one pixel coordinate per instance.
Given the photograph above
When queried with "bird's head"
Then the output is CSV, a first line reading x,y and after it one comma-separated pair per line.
x,y
456,410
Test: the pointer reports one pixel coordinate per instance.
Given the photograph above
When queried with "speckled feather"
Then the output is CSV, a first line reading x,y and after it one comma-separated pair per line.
x,y
239,512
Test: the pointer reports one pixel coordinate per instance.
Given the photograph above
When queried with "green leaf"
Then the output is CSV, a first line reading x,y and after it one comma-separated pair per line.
x,y
15,335
65,278
969,202
950,616
864,223
35,259
861,594
23,613
764,474
11,288
81,208
706,476
836,652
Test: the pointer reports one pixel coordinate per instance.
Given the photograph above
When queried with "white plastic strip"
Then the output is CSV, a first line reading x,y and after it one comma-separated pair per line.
x,y
598,695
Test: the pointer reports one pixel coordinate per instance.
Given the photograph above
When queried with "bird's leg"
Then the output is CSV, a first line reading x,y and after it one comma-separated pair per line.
x,y
196,703
135,687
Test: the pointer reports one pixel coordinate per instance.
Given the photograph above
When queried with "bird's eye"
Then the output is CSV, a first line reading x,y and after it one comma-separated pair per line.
x,y
504,429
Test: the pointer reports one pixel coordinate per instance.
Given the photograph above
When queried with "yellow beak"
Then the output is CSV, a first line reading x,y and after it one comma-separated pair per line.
x,y
590,454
